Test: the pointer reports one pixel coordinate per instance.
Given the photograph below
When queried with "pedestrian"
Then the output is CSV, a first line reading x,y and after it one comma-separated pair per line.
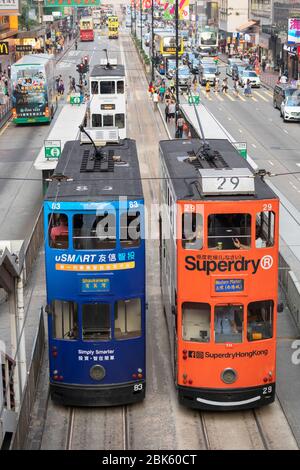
x,y
162,90
225,85
168,96
155,98
61,87
172,85
150,89
217,85
76,45
179,127
167,112
172,110
263,65
207,88
195,83
236,85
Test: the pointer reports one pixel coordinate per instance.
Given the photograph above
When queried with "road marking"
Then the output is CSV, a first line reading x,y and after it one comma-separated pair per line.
x,y
254,99
229,97
4,128
271,163
268,93
261,96
240,131
254,146
284,130
229,119
293,186
219,97
298,164
241,97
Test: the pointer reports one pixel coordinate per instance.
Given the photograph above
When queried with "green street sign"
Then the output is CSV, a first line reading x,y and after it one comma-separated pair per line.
x,y
52,149
241,148
75,99
194,100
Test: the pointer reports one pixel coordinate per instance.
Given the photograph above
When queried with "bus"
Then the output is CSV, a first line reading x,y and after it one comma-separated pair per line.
x,y
208,41
95,274
113,32
86,28
34,93
165,45
108,98
219,232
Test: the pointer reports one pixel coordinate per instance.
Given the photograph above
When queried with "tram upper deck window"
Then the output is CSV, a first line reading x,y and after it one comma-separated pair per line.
x,y
130,229
196,322
260,320
107,87
229,323
95,87
65,320
265,229
94,232
120,87
58,231
192,231
96,322
120,121
229,231
128,319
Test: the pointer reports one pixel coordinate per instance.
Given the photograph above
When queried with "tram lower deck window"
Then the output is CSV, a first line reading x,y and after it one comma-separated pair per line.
x,y
94,232
97,120
96,322
94,87
260,320
65,320
128,319
120,121
229,231
229,321
108,120
58,231
196,322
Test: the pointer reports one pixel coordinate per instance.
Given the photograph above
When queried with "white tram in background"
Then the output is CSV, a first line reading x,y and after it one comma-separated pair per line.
x,y
108,98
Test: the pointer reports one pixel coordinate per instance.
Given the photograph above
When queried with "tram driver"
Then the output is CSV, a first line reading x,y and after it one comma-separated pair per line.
x,y
59,233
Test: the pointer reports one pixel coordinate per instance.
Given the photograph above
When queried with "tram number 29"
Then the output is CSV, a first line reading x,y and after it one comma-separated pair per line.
x,y
138,387
267,390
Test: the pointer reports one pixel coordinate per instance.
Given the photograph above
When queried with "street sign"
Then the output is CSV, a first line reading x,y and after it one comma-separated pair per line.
x,y
241,148
194,100
75,99
52,149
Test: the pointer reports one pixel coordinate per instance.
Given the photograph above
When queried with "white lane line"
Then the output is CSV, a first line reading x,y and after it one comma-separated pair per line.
x,y
298,164
284,130
240,131
271,163
261,96
229,119
293,186
254,146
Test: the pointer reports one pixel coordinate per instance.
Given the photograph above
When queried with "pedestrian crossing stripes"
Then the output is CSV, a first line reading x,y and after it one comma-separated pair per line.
x,y
256,96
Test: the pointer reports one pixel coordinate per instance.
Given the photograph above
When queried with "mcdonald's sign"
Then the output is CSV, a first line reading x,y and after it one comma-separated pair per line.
x,y
4,48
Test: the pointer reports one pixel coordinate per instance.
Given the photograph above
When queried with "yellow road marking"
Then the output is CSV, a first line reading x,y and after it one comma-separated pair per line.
x,y
268,93
254,99
241,97
217,95
261,96
229,97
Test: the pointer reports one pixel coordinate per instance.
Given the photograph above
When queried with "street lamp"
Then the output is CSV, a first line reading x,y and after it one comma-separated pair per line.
x,y
152,39
141,25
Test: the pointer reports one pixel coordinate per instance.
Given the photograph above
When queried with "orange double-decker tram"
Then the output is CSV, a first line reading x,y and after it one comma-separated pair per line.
x,y
219,275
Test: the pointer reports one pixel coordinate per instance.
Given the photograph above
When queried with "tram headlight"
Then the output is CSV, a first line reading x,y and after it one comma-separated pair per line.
x,y
97,372
229,376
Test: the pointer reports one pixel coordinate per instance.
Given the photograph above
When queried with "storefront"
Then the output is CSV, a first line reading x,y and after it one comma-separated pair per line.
x,y
291,61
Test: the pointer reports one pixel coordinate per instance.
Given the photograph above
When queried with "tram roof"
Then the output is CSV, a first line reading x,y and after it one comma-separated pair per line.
x,y
184,174
88,181
34,59
104,71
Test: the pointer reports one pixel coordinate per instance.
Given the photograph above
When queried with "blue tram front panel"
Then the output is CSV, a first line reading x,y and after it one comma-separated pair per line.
x,y
96,302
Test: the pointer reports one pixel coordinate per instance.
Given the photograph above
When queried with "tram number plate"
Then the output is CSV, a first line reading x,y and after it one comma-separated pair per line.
x,y
138,387
267,390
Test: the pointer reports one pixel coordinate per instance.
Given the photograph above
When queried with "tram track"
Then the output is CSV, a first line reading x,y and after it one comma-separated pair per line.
x,y
70,430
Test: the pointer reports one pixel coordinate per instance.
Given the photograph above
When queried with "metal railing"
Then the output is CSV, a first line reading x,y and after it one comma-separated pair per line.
x,y
33,245
28,398
5,112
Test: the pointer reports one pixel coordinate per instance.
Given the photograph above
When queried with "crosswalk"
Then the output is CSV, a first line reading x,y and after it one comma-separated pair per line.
x,y
256,96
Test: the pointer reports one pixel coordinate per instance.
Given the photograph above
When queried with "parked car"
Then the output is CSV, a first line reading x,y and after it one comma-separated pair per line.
x,y
249,75
281,92
290,108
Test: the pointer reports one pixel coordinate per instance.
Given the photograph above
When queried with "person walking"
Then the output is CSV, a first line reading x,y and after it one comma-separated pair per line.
x,y
162,90
155,98
236,85
167,112
179,127
207,88
217,85
225,85
172,110
195,83
61,87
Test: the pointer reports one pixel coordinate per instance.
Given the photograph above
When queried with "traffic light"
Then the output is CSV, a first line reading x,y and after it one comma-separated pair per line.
x,y
80,68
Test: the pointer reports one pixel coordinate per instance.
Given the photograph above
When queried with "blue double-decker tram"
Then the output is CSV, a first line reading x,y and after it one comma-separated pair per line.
x,y
95,272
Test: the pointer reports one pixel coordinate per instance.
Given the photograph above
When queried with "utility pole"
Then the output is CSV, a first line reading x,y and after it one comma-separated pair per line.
x,y
141,18
135,17
177,56
196,25
131,15
152,39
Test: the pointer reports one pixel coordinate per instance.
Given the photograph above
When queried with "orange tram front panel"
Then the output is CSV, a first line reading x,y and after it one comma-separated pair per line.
x,y
227,277
219,274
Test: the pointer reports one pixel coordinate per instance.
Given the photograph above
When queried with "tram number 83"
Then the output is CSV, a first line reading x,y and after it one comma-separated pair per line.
x,y
137,387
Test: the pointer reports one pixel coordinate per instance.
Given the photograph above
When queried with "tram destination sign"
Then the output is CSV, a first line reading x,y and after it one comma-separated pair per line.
x,y
229,285
52,149
227,182
95,285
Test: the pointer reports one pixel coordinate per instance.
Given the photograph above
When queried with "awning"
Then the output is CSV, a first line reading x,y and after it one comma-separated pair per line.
x,y
246,26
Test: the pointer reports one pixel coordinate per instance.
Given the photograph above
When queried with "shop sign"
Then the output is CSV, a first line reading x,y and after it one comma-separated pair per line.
x,y
9,7
71,3
4,48
47,18
23,48
294,31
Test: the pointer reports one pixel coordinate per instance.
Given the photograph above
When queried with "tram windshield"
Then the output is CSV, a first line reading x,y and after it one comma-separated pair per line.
x,y
229,231
96,322
229,323
128,319
196,322
94,232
